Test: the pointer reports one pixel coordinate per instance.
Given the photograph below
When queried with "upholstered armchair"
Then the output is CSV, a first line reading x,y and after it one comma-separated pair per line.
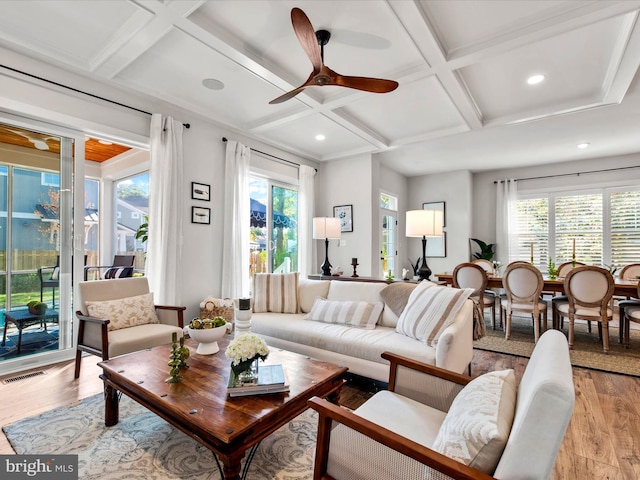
x,y
119,316
395,434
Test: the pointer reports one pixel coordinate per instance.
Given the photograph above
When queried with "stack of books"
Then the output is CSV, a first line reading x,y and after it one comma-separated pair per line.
x,y
271,379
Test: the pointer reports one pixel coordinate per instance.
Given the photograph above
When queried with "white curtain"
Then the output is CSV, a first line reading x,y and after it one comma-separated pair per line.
x,y
506,220
164,248
306,202
235,244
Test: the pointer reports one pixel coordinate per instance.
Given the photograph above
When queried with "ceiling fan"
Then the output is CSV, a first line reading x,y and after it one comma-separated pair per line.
x,y
39,141
313,44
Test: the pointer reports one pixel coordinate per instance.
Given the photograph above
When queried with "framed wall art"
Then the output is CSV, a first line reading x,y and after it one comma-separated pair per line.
x,y
200,191
345,214
201,215
437,246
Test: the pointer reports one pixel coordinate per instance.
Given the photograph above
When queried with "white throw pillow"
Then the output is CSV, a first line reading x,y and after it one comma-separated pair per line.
x,y
355,314
477,426
275,292
430,310
125,312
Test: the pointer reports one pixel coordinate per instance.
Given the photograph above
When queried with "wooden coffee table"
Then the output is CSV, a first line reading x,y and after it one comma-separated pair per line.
x,y
199,405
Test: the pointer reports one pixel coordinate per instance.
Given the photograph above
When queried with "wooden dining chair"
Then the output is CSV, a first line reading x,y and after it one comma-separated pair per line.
x,y
556,318
471,275
588,289
487,266
629,312
523,285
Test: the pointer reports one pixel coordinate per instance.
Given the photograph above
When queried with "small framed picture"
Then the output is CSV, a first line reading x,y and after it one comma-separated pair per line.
x,y
200,191
345,214
201,215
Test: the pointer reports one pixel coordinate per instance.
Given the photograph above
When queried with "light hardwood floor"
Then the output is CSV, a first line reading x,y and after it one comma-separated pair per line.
x,y
602,442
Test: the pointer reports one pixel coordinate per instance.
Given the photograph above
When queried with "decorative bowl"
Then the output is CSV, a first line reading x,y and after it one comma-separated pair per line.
x,y
207,338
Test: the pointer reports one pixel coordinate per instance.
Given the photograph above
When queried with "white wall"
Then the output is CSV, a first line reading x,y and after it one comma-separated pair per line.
x,y
347,182
484,190
455,189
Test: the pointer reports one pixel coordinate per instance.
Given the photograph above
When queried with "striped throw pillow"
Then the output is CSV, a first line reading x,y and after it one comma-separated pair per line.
x,y
430,310
355,314
275,292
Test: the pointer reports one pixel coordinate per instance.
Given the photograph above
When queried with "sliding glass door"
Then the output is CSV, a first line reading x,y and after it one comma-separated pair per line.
x,y
36,207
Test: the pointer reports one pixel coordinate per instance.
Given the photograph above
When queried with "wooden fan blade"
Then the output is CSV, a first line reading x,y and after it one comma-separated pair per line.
x,y
375,85
293,93
307,37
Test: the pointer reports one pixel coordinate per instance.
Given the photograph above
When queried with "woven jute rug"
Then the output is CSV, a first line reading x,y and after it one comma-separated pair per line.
x,y
587,347
143,446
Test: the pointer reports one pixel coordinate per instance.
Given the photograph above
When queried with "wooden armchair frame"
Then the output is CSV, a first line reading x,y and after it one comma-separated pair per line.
x,y
329,413
103,351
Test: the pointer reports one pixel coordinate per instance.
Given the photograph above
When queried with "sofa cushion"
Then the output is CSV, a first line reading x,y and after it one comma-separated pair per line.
x,y
309,290
275,292
356,314
396,296
478,423
342,339
125,312
430,310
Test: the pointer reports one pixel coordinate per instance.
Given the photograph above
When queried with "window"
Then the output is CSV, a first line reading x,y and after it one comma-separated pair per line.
x,y
132,207
599,227
50,179
388,231
273,233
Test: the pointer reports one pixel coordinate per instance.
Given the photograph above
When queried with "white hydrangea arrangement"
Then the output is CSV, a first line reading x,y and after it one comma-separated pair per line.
x,y
245,349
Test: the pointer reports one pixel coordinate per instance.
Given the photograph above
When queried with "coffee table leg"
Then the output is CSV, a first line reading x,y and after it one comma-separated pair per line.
x,y
231,465
4,336
111,406
19,324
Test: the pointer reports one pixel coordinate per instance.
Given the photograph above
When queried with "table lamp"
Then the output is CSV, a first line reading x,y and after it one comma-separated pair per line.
x,y
326,228
424,223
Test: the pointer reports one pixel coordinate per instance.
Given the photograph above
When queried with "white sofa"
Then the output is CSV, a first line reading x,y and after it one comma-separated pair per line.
x,y
359,349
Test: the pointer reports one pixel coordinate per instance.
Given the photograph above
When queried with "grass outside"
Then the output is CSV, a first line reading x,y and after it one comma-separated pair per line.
x,y
20,300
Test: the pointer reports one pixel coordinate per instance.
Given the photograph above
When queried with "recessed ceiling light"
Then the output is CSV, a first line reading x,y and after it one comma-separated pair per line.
x,y
105,142
535,79
583,145
213,84
320,137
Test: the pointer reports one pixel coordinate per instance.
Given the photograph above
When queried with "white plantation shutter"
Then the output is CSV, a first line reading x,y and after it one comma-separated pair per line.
x,y
579,217
533,228
625,228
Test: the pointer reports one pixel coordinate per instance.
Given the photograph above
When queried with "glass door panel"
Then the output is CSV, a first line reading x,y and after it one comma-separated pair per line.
x,y
388,249
284,229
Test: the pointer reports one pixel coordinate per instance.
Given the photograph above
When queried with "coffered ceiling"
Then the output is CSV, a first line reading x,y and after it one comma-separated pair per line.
x,y
463,100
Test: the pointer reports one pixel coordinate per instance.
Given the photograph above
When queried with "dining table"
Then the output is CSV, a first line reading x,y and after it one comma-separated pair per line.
x,y
622,288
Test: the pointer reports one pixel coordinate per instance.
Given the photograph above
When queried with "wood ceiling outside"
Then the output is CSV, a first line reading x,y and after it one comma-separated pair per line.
x,y
93,150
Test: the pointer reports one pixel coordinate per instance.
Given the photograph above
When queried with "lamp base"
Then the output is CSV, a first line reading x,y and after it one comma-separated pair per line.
x,y
326,266
424,272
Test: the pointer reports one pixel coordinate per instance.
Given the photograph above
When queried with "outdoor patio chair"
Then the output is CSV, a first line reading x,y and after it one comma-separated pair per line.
x,y
122,267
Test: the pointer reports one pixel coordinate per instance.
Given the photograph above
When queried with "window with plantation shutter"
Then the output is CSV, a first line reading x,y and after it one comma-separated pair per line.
x,y
603,223
533,231
625,227
579,218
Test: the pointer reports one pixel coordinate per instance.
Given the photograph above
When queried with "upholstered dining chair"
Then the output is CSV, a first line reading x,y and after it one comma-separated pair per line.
x,y
588,289
523,284
471,275
629,312
556,319
428,416
119,316
487,266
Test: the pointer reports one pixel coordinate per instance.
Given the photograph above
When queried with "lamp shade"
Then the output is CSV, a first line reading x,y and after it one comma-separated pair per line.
x,y
424,223
326,227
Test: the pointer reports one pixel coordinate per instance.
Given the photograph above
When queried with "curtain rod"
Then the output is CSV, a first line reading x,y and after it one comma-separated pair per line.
x,y
186,125
577,174
225,140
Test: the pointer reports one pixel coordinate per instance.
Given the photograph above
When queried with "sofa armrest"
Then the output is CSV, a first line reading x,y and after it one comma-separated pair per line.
x,y
171,315
93,335
454,350
343,436
422,382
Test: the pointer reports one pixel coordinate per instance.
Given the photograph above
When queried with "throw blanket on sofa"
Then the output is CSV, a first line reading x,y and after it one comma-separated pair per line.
x,y
479,328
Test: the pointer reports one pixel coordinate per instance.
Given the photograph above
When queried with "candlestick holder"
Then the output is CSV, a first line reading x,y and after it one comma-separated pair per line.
x,y
354,265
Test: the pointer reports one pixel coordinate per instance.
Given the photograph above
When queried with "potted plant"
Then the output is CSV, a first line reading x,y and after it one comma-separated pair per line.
x,y
486,250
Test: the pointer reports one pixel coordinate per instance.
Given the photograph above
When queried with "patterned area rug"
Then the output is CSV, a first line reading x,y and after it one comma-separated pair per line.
x,y
587,347
143,446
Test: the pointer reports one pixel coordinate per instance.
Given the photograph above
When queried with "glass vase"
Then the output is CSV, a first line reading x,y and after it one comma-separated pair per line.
x,y
245,373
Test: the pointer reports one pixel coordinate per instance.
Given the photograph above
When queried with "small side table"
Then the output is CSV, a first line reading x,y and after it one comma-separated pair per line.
x,y
23,319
